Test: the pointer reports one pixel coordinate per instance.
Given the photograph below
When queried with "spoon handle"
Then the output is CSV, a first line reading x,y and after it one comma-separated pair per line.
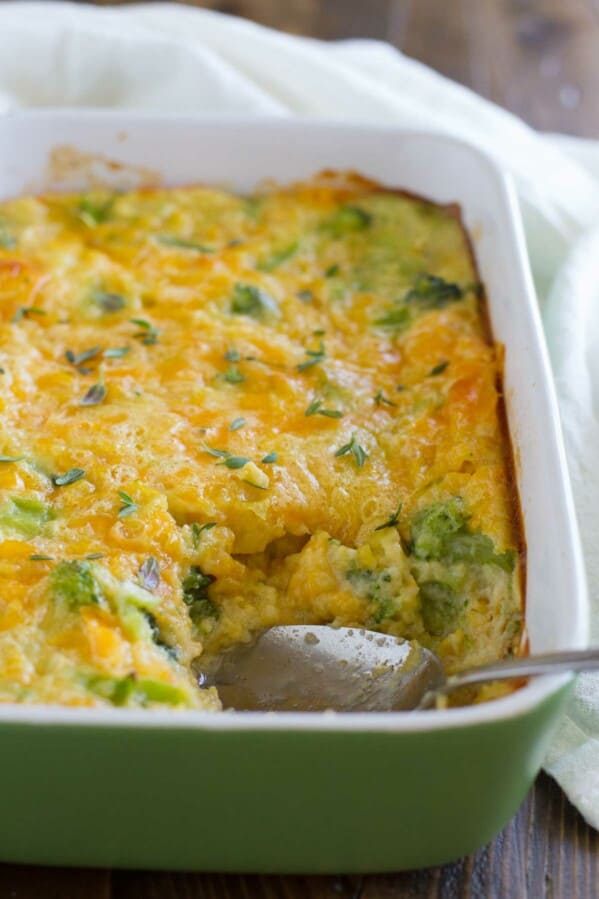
x,y
552,663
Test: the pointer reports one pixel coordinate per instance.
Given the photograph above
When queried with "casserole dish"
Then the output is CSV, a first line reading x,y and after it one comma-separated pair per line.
x,y
309,792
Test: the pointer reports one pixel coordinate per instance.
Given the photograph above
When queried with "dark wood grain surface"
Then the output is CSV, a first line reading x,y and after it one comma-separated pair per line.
x,y
539,58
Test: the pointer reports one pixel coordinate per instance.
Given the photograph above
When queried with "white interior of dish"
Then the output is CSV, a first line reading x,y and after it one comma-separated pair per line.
x,y
240,153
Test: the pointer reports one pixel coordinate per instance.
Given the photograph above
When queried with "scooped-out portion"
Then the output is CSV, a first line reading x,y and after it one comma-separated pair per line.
x,y
222,413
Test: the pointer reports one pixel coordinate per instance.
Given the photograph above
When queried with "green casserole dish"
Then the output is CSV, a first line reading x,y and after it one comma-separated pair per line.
x,y
289,792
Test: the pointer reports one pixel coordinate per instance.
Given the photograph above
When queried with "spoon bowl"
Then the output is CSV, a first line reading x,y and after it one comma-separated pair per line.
x,y
316,668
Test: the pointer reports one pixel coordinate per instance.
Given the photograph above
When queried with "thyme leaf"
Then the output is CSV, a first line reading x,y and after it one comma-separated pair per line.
x,y
25,312
77,359
392,521
234,462
315,408
94,396
129,505
357,451
149,573
315,357
107,301
197,530
180,243
147,333
72,475
218,453
116,352
233,375
380,399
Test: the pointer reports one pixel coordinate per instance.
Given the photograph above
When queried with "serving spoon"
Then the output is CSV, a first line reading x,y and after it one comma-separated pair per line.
x,y
305,668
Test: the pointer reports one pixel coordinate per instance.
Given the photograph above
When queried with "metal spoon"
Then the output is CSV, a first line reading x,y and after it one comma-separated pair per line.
x,y
304,668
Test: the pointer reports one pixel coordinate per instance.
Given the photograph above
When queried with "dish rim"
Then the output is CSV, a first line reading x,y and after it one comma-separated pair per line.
x,y
517,704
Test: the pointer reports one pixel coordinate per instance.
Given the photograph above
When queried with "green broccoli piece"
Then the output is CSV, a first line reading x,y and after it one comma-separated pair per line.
x,y
349,219
73,585
247,299
24,516
441,532
432,292
441,607
195,595
376,586
129,690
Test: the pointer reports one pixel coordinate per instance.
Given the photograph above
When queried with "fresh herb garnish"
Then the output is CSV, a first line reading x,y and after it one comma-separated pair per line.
x,y
236,424
380,399
25,312
233,375
306,296
440,368
11,458
232,355
197,530
116,352
314,357
95,395
234,462
432,292
147,333
270,458
247,299
315,408
278,258
90,557
129,505
395,319
357,451
348,219
180,243
332,271
392,521
78,359
94,212
107,301
72,475
149,573
40,557
218,453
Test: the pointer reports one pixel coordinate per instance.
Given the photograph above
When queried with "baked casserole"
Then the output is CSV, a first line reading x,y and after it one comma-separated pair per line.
x,y
221,413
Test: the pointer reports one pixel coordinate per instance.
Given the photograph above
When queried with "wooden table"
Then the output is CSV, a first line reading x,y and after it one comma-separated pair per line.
x,y
539,58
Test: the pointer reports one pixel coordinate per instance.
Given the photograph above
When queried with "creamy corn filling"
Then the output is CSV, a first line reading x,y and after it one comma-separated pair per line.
x,y
221,413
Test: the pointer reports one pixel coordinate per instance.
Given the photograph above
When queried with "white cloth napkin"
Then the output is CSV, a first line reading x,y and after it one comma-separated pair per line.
x,y
181,59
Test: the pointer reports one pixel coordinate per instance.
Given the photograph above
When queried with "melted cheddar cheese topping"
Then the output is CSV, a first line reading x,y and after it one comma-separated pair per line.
x,y
220,413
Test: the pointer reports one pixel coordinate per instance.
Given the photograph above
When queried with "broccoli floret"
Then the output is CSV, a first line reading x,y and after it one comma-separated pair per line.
x,y
195,595
348,219
378,587
432,292
73,585
441,607
441,532
23,516
131,691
